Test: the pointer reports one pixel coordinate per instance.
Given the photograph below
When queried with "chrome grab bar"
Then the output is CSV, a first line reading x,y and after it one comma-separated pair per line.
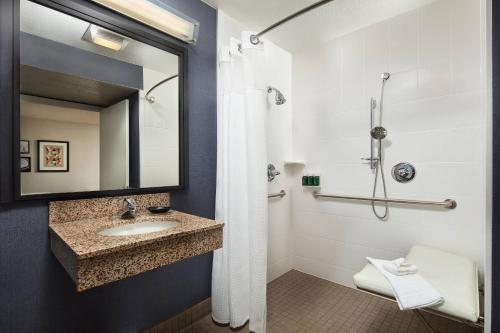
x,y
448,203
281,194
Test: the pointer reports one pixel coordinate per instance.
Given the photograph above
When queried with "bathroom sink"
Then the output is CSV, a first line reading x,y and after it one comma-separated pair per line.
x,y
139,228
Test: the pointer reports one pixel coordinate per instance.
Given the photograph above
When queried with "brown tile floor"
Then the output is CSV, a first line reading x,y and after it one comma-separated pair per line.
x,y
299,302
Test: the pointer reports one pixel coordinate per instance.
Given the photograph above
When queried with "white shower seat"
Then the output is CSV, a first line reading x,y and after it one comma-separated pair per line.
x,y
455,277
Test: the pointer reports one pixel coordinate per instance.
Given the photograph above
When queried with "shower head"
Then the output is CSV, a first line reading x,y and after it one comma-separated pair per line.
x,y
280,98
385,76
378,133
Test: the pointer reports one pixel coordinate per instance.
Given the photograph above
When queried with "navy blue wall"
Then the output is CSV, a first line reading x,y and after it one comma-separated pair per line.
x,y
495,306
36,294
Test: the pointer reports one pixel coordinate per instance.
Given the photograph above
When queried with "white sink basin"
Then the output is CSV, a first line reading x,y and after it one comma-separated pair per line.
x,y
139,228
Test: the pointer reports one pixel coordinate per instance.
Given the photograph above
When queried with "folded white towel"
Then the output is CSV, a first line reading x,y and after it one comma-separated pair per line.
x,y
400,267
411,291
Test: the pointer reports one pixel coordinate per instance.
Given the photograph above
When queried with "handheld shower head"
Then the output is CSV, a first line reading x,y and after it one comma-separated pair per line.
x,y
280,98
378,133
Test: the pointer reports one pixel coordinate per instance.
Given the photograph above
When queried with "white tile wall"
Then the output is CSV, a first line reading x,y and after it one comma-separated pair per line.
x,y
278,69
159,132
279,147
435,119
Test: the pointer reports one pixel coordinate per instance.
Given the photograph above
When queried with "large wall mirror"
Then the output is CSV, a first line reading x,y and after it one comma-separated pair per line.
x,y
99,111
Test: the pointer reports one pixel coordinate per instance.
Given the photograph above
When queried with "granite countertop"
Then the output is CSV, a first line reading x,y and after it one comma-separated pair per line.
x,y
83,238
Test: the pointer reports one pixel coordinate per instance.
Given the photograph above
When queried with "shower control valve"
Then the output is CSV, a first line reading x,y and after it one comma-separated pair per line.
x,y
271,172
403,172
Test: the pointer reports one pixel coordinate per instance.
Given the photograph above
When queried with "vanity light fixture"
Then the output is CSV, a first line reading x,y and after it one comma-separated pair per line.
x,y
158,16
100,36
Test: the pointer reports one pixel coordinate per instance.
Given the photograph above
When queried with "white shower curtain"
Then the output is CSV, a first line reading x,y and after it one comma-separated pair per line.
x,y
240,267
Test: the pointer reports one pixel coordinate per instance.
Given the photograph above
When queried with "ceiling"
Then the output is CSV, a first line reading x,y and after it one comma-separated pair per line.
x,y
64,87
50,24
318,26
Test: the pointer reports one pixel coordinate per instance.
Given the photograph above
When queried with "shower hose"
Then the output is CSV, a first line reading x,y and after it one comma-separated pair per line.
x,y
380,165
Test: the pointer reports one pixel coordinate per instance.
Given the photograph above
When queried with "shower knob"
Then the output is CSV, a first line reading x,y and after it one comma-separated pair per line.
x,y
403,172
378,133
271,172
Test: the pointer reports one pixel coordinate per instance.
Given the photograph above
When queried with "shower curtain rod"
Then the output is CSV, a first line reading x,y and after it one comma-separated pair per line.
x,y
254,39
159,84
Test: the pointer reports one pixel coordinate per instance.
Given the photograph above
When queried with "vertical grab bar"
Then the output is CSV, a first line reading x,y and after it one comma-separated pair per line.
x,y
373,161
373,104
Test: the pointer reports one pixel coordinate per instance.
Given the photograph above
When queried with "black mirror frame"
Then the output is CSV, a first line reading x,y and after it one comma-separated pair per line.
x,y
10,177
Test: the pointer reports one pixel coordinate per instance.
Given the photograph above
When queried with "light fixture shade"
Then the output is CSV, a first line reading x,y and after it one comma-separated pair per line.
x,y
160,17
103,37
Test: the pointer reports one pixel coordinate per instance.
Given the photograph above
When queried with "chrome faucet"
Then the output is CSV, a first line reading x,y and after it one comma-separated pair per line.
x,y
131,205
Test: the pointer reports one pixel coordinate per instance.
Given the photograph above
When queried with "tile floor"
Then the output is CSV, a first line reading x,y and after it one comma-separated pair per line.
x,y
299,302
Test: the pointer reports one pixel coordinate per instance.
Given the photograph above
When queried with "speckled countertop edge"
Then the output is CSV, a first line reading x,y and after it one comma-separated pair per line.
x,y
83,239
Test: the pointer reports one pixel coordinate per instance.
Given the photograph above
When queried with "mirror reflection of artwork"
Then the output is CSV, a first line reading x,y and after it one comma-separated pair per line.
x,y
53,156
25,147
25,164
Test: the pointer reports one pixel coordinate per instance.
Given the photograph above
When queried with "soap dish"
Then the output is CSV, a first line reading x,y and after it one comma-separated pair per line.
x,y
158,209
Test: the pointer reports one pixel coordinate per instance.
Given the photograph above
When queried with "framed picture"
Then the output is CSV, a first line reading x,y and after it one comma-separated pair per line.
x,y
24,147
53,156
25,164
